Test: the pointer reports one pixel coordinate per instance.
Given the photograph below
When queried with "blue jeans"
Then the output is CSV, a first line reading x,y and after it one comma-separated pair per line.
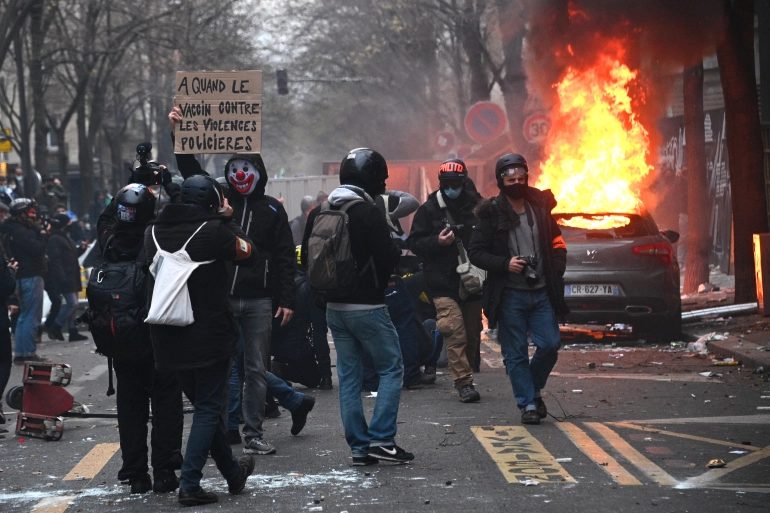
x,y
207,390
525,312
66,316
30,314
358,333
254,318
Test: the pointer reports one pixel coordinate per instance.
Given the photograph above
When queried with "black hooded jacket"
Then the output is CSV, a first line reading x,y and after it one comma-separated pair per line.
x,y
265,222
440,262
489,248
24,241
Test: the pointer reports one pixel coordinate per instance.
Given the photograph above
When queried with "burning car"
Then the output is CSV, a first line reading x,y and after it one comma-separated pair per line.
x,y
622,269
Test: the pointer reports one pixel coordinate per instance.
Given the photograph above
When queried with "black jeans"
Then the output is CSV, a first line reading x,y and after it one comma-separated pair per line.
x,y
6,354
140,387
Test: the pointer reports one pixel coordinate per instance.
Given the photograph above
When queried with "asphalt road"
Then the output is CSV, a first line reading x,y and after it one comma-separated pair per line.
x,y
633,428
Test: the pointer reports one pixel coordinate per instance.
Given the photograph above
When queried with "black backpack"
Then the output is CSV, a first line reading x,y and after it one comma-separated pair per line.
x,y
332,270
117,307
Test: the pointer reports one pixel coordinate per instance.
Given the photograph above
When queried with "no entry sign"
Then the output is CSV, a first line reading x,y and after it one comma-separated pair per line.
x,y
485,121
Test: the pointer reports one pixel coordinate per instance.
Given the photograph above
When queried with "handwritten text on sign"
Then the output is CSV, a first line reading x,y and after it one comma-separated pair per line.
x,y
221,112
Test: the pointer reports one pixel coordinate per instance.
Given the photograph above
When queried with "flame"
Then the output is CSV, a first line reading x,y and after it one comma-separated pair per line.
x,y
596,148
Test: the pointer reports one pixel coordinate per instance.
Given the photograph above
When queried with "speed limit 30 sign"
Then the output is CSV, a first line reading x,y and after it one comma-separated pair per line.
x,y
536,128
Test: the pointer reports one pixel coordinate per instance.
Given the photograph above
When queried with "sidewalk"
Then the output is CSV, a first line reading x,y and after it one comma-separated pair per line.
x,y
745,338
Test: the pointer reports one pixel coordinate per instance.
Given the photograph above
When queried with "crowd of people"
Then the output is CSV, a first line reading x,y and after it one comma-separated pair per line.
x,y
237,302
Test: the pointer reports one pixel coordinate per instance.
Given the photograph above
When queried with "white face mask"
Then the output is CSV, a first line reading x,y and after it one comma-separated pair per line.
x,y
242,176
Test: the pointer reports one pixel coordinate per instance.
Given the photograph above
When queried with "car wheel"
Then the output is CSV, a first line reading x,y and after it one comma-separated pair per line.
x,y
663,331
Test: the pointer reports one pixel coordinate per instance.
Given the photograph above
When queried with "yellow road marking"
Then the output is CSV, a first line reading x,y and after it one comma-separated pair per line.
x,y
519,456
93,462
714,474
633,456
715,441
591,449
53,504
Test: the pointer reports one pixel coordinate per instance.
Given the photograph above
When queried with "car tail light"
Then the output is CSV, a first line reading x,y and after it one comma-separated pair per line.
x,y
659,250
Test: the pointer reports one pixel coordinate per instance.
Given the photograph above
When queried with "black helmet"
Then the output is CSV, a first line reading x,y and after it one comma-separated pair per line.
x,y
506,161
20,206
204,191
364,168
5,198
59,221
135,204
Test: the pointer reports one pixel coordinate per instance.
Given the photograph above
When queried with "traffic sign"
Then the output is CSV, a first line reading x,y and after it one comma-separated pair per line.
x,y
485,121
536,128
5,141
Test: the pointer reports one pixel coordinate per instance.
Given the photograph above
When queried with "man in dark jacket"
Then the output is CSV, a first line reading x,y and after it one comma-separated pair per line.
x,y
253,289
25,240
359,319
201,353
441,225
64,278
141,387
7,288
520,245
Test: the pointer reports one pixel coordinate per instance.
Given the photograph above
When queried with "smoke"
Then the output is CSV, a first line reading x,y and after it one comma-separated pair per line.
x,y
658,37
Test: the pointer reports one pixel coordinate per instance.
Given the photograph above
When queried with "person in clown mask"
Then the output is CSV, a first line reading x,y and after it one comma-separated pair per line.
x,y
258,292
445,218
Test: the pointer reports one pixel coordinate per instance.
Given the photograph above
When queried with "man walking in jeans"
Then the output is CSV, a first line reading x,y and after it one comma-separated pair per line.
x,y
359,319
520,245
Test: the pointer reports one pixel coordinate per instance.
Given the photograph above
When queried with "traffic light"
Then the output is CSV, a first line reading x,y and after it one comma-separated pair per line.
x,y
282,79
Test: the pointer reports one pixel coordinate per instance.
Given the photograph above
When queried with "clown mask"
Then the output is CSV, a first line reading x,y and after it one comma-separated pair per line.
x,y
242,176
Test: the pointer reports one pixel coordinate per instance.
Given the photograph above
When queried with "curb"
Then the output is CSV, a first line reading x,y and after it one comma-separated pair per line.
x,y
749,354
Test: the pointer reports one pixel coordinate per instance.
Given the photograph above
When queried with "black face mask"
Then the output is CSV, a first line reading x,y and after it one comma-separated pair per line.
x,y
516,190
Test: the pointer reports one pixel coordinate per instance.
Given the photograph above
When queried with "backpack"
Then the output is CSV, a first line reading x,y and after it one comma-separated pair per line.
x,y
331,266
116,308
170,304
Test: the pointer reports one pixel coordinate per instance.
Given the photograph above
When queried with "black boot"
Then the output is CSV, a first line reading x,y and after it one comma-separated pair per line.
x,y
54,332
77,337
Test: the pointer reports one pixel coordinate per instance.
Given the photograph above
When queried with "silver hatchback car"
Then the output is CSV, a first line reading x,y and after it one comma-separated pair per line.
x,y
626,274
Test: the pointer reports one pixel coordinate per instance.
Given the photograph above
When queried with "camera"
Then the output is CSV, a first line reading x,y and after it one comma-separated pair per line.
x,y
147,172
454,227
530,269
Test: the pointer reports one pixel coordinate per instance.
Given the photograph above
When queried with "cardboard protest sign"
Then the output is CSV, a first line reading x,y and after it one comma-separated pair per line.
x,y
221,112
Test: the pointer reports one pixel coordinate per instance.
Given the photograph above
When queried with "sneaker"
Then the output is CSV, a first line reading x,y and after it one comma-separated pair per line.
x,y
542,411
258,446
165,482
325,383
428,376
468,394
364,461
530,417
390,453
197,498
234,437
140,484
299,416
76,337
245,468
54,332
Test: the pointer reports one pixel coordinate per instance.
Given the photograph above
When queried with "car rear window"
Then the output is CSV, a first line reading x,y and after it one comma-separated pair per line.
x,y
604,226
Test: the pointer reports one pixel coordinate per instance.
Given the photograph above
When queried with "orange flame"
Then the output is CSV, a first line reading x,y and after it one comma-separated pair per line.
x,y
596,148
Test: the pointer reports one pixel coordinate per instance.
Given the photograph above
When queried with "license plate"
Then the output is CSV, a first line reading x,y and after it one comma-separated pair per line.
x,y
590,290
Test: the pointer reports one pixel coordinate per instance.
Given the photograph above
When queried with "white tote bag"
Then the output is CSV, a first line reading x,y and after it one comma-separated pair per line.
x,y
170,304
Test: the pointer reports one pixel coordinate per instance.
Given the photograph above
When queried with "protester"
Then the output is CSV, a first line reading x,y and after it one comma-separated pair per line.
x,y
63,278
140,387
359,319
201,352
252,289
440,234
7,288
25,240
520,245
297,224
